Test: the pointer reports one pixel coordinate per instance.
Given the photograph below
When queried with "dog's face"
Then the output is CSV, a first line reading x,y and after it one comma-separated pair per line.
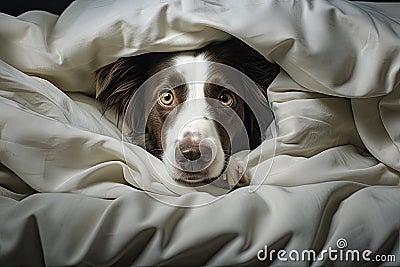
x,y
190,104
190,107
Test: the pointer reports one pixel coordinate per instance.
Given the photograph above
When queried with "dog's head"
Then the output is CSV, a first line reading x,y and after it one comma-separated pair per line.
x,y
187,108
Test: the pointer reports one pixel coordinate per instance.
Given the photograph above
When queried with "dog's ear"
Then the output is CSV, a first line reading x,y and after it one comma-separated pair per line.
x,y
117,82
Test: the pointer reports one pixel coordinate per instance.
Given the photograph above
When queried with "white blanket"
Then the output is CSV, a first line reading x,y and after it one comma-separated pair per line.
x,y
72,192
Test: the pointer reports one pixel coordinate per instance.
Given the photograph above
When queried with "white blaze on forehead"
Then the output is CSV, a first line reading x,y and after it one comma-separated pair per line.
x,y
195,71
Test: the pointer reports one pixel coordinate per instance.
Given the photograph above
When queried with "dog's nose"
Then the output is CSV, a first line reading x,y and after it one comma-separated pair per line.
x,y
192,155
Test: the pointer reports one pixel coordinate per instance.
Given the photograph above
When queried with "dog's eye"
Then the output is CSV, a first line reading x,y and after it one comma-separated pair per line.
x,y
226,99
166,98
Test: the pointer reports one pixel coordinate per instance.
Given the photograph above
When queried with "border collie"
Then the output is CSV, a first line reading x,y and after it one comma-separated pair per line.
x,y
186,108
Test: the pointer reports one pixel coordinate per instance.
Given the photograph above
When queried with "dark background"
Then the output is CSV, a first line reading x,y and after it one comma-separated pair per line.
x,y
17,7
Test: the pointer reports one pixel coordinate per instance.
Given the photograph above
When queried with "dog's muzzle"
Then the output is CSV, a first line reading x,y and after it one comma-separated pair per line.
x,y
194,153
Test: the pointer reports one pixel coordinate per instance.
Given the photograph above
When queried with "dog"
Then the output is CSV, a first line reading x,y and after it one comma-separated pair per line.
x,y
187,107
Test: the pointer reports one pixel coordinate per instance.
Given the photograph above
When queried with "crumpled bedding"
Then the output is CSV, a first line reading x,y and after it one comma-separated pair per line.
x,y
71,192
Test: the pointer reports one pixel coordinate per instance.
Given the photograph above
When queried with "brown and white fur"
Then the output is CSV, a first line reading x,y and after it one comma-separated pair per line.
x,y
181,128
